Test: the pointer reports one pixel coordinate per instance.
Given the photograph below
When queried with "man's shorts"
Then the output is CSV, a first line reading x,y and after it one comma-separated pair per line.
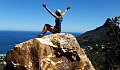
x,y
57,30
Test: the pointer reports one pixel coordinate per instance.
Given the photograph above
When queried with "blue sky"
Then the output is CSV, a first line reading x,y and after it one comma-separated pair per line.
x,y
29,15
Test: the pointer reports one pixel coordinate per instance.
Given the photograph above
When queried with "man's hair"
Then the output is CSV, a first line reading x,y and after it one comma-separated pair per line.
x,y
59,14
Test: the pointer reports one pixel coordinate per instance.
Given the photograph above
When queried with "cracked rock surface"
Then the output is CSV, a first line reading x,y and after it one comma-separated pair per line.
x,y
58,51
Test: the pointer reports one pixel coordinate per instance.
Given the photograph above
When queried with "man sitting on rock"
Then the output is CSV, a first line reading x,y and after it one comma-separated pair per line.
x,y
58,21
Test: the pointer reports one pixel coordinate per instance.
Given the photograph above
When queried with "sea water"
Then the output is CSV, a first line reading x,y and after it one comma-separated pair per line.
x,y
8,39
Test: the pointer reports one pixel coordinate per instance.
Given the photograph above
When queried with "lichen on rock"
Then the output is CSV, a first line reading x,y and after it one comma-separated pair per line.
x,y
58,51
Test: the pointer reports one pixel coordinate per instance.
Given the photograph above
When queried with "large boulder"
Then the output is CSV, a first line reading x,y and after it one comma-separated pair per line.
x,y
58,51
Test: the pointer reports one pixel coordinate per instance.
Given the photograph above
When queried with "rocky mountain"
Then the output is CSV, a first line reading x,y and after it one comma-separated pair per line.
x,y
96,36
105,56
59,51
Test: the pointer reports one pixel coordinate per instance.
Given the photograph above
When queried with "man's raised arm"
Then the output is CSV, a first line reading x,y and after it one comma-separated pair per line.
x,y
44,5
66,11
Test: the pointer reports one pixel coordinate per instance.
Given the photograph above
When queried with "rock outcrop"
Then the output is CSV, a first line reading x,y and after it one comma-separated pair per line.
x,y
59,51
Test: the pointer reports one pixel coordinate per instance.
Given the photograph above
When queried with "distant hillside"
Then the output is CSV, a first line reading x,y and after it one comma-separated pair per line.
x,y
96,36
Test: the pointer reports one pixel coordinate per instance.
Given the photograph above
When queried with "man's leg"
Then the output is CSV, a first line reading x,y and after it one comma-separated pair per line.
x,y
47,27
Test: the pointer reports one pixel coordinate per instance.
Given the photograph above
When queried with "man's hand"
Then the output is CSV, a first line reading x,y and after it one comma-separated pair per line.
x,y
69,7
44,5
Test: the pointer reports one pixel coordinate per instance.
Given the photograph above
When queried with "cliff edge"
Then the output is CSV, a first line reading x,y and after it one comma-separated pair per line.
x,y
59,51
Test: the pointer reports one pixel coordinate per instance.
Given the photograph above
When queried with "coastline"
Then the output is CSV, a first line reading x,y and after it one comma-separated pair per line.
x,y
3,54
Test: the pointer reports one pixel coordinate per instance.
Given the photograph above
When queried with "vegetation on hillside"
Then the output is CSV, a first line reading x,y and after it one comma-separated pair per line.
x,y
106,56
2,64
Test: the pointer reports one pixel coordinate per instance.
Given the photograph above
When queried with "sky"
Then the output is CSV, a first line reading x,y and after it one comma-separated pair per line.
x,y
30,15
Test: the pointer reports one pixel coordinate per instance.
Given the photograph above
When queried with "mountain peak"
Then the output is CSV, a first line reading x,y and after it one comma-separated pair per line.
x,y
108,20
95,36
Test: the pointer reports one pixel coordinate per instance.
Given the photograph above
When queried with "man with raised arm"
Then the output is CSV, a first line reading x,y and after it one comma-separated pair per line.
x,y
58,20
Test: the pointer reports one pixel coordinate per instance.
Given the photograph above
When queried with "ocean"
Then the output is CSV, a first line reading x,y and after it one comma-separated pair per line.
x,y
8,39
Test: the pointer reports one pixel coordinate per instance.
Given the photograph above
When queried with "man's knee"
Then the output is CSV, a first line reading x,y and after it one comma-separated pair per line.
x,y
47,25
